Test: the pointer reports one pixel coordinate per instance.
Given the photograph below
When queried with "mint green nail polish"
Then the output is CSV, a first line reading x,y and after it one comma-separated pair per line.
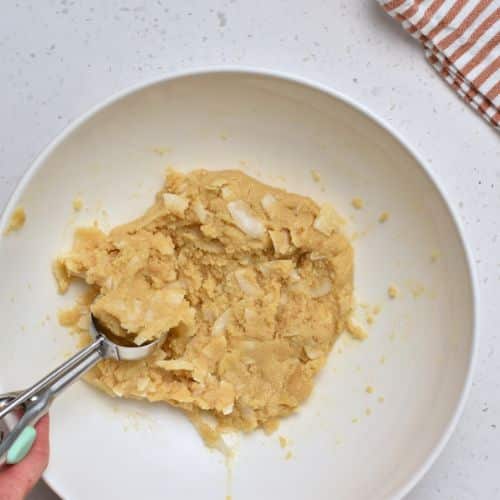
x,y
22,445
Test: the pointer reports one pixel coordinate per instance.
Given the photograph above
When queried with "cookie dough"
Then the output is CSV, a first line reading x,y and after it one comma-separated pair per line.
x,y
16,221
252,283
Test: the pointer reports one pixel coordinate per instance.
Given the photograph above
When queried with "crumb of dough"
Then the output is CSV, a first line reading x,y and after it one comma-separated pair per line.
x,y
368,412
383,217
77,204
355,420
376,309
381,399
161,151
435,256
357,203
417,290
253,285
370,319
16,221
283,441
61,274
316,176
289,455
392,291
369,389
69,317
270,426
355,329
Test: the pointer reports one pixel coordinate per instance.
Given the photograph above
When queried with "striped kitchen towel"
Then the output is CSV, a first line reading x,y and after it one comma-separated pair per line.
x,y
461,39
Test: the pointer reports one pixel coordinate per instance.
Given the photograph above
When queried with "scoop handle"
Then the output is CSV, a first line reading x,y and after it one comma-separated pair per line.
x,y
52,377
37,399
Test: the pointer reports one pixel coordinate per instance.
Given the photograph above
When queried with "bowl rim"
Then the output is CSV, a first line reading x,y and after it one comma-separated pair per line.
x,y
289,77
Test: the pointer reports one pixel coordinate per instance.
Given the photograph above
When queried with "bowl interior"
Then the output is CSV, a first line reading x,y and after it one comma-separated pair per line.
x,y
345,442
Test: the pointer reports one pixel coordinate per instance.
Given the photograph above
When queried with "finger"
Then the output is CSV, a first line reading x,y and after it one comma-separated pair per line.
x,y
17,480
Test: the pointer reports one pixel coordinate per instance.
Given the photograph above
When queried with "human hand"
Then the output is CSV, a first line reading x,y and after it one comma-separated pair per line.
x,y
16,481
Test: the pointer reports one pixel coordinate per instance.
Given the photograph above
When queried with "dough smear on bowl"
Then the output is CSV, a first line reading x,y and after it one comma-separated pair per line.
x,y
254,285
16,221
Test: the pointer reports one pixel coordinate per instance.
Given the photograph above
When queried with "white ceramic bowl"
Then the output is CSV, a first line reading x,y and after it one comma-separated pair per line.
x,y
346,443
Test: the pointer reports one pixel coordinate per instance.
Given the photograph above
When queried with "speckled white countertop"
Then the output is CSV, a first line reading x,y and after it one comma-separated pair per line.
x,y
60,58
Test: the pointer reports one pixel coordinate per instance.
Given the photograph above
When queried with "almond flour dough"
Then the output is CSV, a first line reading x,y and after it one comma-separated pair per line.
x,y
16,221
254,285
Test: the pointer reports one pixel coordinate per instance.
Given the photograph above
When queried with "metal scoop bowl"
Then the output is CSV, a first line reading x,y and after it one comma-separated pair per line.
x,y
36,400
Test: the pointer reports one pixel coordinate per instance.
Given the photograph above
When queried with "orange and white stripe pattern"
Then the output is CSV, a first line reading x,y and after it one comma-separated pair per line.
x,y
461,39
